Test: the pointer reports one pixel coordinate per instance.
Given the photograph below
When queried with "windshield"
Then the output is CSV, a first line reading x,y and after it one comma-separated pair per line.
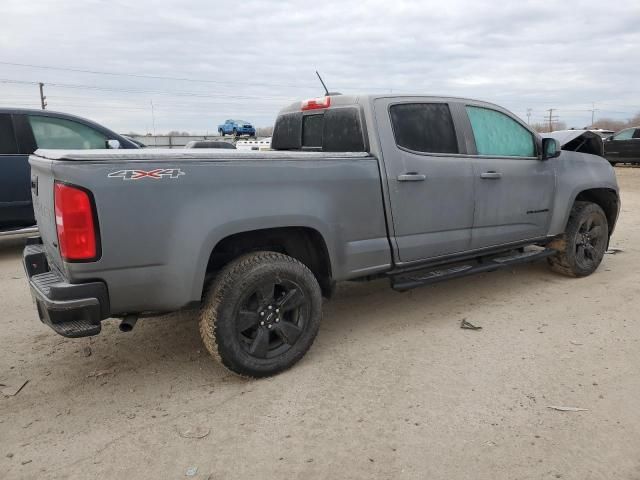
x,y
243,122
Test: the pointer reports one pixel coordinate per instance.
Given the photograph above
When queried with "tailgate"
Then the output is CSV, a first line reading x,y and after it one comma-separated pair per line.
x,y
42,196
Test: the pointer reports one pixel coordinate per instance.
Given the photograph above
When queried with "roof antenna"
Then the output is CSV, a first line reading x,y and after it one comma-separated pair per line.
x,y
323,85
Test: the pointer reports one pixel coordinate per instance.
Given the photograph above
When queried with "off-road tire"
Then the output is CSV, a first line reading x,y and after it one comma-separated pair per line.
x,y
568,260
223,300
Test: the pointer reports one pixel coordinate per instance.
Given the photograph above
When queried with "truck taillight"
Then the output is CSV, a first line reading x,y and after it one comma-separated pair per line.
x,y
77,234
316,103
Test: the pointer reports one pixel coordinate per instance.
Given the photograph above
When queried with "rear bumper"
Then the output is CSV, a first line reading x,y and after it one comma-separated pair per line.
x,y
71,310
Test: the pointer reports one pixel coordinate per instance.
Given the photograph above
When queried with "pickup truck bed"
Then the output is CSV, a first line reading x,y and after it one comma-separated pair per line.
x,y
171,219
416,189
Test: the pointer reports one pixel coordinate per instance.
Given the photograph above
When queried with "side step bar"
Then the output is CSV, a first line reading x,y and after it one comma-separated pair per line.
x,y
403,282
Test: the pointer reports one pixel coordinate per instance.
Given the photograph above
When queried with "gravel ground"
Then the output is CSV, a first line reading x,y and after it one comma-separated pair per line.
x,y
392,388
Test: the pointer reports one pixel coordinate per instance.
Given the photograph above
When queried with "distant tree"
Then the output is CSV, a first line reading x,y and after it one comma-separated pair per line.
x,y
543,127
610,124
176,133
264,131
635,121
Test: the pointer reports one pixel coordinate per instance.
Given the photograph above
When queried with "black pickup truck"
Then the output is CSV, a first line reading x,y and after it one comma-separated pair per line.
x,y
22,132
623,147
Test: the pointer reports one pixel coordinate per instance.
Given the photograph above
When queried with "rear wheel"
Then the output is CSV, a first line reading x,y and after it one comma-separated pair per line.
x,y
261,314
584,242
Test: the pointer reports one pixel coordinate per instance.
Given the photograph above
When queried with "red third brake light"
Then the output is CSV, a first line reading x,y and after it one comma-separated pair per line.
x,y
74,223
316,103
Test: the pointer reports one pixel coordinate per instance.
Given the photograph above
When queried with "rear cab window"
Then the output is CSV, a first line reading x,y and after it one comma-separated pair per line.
x,y
336,129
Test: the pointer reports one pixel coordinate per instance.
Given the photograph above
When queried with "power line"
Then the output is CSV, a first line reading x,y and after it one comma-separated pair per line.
x,y
148,92
180,79
154,77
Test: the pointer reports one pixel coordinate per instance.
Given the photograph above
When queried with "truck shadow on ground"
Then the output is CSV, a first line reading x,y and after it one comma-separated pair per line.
x,y
170,346
11,247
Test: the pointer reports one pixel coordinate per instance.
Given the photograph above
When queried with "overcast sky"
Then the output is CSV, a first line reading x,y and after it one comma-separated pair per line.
x,y
248,62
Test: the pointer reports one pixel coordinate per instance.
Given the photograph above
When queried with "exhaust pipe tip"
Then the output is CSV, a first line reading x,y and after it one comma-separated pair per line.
x,y
128,323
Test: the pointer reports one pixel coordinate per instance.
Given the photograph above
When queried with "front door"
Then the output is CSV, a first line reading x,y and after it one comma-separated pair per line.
x,y
430,184
620,147
514,188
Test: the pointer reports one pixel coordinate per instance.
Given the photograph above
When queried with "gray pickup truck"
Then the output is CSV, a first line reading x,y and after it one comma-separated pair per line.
x,y
416,189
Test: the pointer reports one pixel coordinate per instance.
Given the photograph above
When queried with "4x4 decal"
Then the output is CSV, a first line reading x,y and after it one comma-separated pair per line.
x,y
157,174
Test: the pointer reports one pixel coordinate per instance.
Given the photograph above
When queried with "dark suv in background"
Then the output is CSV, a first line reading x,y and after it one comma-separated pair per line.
x,y
623,147
22,132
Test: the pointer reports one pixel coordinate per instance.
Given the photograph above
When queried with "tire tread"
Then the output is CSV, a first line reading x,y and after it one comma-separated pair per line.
x,y
216,291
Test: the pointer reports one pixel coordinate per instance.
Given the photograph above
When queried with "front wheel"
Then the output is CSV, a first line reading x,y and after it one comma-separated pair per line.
x,y
584,242
261,314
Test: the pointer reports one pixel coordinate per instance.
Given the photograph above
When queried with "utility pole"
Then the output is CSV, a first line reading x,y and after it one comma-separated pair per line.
x,y
528,116
153,118
43,104
552,118
593,113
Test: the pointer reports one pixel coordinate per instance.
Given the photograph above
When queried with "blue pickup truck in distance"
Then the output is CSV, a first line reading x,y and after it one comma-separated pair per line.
x,y
236,128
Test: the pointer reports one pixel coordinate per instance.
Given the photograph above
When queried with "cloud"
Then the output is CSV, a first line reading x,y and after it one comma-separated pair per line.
x,y
259,56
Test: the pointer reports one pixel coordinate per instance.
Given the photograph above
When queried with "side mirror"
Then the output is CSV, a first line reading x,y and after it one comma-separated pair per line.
x,y
113,144
609,138
550,148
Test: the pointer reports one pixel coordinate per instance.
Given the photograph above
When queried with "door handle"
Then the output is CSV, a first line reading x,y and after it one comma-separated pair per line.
x,y
491,175
412,177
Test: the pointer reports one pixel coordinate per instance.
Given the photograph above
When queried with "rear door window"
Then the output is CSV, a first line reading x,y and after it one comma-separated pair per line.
x,y
424,127
8,143
59,133
499,135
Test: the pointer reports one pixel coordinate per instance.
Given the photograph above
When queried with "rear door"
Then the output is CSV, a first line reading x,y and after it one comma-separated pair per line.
x,y
514,189
15,192
430,181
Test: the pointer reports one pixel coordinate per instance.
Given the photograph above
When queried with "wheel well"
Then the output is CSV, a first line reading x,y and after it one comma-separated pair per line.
x,y
302,243
607,199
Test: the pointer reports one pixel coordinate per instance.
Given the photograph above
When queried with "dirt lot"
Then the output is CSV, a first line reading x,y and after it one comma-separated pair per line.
x,y
392,388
